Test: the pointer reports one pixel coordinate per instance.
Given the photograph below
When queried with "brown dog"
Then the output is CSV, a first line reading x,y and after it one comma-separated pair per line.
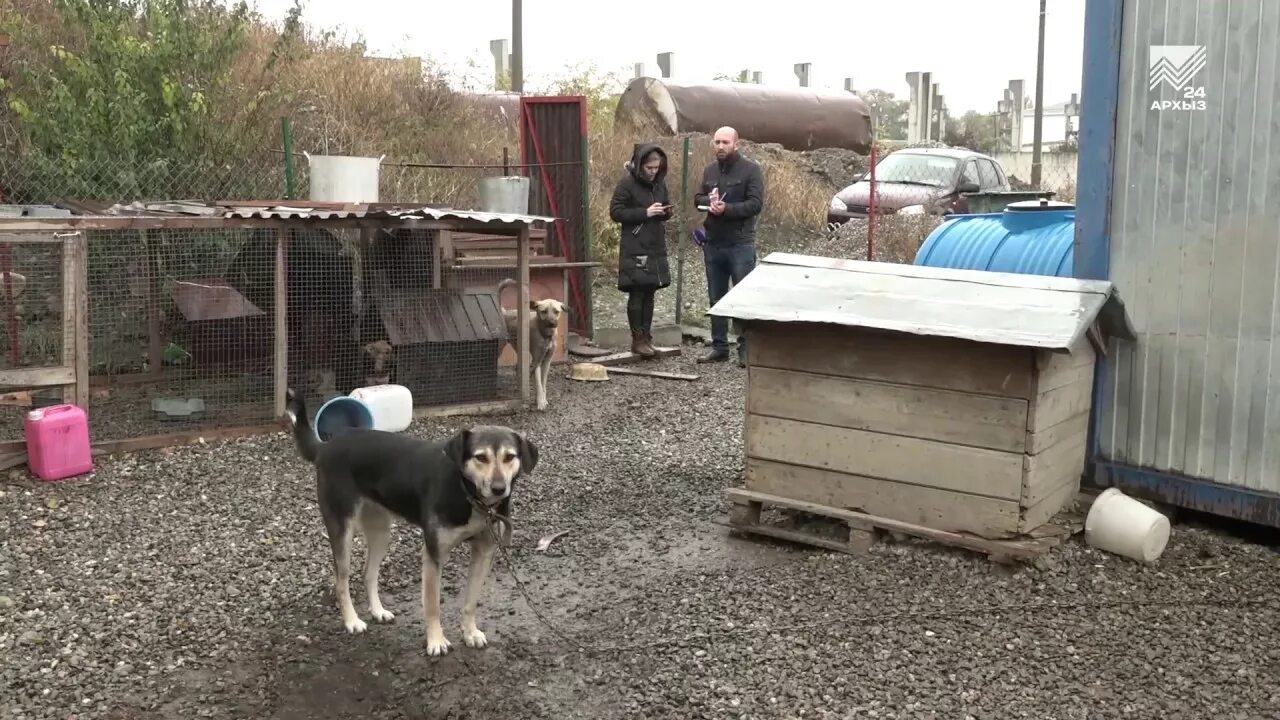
x,y
543,317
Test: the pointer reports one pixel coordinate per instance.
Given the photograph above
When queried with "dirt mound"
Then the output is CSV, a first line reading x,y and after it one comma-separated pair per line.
x,y
833,167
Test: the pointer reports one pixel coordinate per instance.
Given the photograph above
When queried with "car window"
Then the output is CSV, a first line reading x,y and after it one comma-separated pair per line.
x,y
915,168
987,174
970,174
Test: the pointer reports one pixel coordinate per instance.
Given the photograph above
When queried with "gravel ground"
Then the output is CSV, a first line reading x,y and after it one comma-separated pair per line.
x,y
194,583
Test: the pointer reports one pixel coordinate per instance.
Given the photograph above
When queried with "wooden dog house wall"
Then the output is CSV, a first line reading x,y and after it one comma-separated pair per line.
x,y
961,405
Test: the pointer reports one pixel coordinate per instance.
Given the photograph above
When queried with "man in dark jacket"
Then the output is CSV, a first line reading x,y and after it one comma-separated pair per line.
x,y
642,205
732,190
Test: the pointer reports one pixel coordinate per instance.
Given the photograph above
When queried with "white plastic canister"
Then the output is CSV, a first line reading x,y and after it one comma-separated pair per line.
x,y
391,405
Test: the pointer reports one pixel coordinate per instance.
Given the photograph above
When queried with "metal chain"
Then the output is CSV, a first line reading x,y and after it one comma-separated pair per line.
x,y
875,619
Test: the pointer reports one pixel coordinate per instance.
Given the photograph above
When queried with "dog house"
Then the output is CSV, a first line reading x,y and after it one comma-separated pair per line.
x,y
447,341
953,400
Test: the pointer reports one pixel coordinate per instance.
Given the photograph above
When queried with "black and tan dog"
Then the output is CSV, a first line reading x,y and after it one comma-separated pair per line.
x,y
452,490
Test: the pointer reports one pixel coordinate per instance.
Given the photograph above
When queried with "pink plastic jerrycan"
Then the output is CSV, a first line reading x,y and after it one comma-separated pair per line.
x,y
58,442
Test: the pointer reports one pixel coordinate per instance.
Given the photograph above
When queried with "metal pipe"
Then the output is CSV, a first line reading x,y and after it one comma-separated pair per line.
x,y
684,227
286,130
1038,127
517,46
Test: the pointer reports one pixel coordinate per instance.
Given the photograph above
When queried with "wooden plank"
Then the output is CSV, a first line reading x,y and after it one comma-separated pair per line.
x,y
799,536
925,506
624,358
651,373
902,358
1044,472
946,415
1057,499
281,324
927,463
81,318
438,244
480,408
1008,548
522,303
20,398
41,377
1050,363
1054,406
1038,442
186,437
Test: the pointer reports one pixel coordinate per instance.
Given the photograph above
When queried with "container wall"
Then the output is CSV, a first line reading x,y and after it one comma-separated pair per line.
x,y
1195,243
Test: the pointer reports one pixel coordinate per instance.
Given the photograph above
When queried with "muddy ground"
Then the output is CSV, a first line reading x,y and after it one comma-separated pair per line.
x,y
195,583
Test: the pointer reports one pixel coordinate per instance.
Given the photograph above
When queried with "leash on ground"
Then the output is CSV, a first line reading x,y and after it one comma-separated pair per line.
x,y
864,620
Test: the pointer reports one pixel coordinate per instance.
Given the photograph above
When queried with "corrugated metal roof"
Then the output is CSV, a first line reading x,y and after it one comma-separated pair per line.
x,y
1001,308
300,210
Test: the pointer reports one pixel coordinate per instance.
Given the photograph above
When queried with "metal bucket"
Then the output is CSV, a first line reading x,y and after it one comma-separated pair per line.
x,y
344,178
505,195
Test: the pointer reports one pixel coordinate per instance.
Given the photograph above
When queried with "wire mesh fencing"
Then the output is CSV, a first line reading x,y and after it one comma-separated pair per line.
x,y
35,339
184,333
886,213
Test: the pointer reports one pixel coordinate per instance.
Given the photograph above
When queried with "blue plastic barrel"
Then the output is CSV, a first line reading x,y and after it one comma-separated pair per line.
x,y
1033,237
340,414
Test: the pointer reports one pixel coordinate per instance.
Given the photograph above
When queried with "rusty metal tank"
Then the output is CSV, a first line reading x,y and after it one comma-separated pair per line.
x,y
798,118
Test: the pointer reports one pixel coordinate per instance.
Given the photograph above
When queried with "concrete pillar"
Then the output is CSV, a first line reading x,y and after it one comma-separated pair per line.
x,y
501,61
757,77
935,112
848,85
666,64
802,71
1017,98
639,70
919,106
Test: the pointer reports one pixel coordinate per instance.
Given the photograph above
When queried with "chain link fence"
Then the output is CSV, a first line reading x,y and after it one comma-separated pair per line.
x,y
183,334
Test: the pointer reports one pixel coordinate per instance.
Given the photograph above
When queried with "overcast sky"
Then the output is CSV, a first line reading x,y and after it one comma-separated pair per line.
x,y
972,48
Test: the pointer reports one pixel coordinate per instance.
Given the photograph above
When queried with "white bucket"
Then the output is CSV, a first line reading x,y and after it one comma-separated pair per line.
x,y
1119,524
344,178
391,405
505,195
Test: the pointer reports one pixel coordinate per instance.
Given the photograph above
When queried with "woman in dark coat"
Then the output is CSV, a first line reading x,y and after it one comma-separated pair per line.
x,y
642,206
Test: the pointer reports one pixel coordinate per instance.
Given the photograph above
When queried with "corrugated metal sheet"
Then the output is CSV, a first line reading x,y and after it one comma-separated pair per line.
x,y
1001,308
1194,244
294,210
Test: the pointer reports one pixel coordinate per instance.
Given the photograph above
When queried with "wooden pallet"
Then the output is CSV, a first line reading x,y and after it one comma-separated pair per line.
x,y
863,530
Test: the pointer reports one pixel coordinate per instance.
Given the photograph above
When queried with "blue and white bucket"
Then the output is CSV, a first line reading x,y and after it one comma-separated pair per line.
x,y
340,414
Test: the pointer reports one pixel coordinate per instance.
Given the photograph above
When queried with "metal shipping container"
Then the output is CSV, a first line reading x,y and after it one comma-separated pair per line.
x,y
1179,205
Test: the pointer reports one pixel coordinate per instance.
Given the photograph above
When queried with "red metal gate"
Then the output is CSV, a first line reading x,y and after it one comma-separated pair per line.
x,y
553,154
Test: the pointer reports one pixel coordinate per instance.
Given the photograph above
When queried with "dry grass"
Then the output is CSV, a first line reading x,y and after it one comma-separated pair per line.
x,y
341,102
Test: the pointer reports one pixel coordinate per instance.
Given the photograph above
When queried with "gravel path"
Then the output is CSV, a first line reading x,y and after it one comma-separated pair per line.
x,y
194,583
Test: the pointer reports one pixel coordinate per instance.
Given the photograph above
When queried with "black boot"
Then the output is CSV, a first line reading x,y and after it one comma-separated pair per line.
x,y
639,345
717,355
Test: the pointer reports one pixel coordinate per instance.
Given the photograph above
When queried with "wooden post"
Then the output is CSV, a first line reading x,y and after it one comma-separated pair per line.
x,y
281,326
522,310
70,330
82,319
155,347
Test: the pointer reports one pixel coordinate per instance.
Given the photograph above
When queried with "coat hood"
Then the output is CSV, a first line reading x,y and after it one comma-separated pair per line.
x,y
637,154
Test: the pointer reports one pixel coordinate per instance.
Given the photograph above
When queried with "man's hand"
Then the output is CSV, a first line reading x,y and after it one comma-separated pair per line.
x,y
655,210
716,207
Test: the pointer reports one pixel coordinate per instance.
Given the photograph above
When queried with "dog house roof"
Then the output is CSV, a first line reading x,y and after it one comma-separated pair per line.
x,y
1051,313
412,316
